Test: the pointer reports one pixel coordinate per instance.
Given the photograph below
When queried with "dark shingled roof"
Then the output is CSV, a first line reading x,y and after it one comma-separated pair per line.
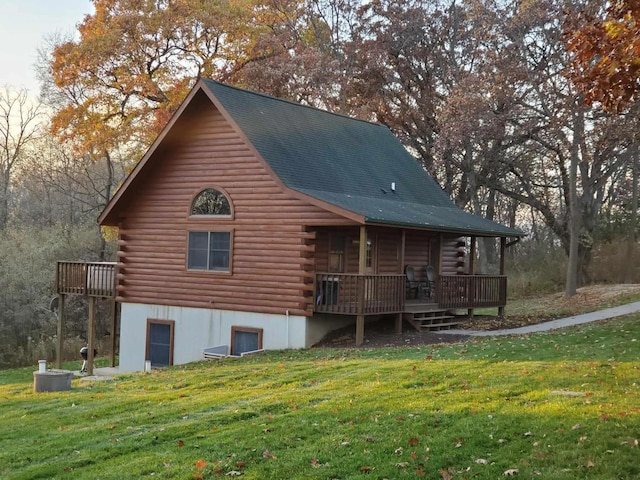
x,y
347,162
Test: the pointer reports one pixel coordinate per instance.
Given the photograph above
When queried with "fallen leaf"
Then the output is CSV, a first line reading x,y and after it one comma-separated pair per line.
x,y
511,472
180,443
398,451
482,461
201,464
240,464
420,473
445,475
315,463
590,464
413,441
365,469
234,473
402,464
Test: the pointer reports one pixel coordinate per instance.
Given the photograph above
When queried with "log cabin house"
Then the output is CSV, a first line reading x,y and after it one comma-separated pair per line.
x,y
257,223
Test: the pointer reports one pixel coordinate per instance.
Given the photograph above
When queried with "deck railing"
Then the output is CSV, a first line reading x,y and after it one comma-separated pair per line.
x,y
95,279
471,291
349,294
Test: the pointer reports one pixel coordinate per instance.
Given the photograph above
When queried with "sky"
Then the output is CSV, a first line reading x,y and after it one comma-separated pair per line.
x,y
24,25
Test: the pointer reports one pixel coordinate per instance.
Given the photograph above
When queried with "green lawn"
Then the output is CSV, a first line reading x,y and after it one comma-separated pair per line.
x,y
561,405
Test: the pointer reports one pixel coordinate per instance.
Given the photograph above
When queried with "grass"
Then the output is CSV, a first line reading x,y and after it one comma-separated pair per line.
x,y
560,405
527,310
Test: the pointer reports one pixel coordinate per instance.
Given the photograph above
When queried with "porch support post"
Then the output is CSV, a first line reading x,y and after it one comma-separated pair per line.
x,y
362,264
503,247
472,271
114,329
60,331
91,334
359,330
399,323
402,250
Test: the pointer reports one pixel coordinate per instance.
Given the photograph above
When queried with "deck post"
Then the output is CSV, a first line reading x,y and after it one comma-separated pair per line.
x,y
60,331
503,247
91,334
114,329
362,265
359,330
472,271
399,323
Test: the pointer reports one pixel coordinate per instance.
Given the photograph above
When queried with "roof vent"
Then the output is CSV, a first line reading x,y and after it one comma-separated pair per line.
x,y
393,186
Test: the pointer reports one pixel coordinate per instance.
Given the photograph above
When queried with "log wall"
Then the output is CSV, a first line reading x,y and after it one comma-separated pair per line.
x,y
453,256
273,242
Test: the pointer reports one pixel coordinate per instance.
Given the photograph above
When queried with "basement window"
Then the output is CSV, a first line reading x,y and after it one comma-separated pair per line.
x,y
159,348
245,339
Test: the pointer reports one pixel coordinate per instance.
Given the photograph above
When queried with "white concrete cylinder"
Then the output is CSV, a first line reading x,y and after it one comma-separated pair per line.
x,y
42,366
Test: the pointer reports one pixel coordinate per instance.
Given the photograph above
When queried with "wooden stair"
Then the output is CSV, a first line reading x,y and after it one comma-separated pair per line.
x,y
428,317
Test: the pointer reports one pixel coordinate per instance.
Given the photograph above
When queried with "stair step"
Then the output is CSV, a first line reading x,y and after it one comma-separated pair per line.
x,y
431,315
434,320
427,307
440,326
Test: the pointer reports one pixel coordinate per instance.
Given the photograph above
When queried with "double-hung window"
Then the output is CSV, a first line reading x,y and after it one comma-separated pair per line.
x,y
210,249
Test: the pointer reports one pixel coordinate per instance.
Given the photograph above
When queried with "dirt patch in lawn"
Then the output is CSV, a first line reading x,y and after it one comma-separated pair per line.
x,y
382,334
524,312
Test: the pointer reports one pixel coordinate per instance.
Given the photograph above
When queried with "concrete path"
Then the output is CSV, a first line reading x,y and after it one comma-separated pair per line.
x,y
554,324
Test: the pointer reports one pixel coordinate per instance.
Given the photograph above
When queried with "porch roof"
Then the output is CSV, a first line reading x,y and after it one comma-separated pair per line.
x,y
348,163
416,215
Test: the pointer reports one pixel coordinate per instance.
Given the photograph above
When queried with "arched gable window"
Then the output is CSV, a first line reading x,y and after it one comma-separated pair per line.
x,y
211,202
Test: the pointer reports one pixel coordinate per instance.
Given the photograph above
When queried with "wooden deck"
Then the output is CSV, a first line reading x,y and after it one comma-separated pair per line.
x,y
94,279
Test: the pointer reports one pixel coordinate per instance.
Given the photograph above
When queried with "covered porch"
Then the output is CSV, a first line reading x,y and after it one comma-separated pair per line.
x,y
381,286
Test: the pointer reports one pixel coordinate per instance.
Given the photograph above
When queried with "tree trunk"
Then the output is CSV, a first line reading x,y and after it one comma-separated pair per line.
x,y
631,242
4,201
574,208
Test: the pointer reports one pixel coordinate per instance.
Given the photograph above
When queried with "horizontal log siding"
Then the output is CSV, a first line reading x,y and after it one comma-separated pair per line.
x,y
389,242
272,267
417,252
452,260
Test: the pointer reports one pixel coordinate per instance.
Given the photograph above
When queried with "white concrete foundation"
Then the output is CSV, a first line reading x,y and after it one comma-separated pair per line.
x,y
198,328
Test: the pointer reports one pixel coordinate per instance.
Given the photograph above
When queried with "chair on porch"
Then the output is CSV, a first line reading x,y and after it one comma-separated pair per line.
x,y
415,288
431,281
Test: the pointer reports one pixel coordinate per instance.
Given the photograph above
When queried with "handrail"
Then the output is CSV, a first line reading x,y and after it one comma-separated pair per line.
x,y
353,294
471,291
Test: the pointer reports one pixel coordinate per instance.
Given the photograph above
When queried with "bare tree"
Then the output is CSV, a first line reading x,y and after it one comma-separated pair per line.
x,y
19,126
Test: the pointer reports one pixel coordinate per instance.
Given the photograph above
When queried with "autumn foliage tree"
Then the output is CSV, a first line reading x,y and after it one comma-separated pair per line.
x,y
605,42
135,60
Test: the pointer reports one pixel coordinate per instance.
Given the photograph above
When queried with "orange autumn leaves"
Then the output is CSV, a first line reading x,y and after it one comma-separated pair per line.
x,y
606,53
